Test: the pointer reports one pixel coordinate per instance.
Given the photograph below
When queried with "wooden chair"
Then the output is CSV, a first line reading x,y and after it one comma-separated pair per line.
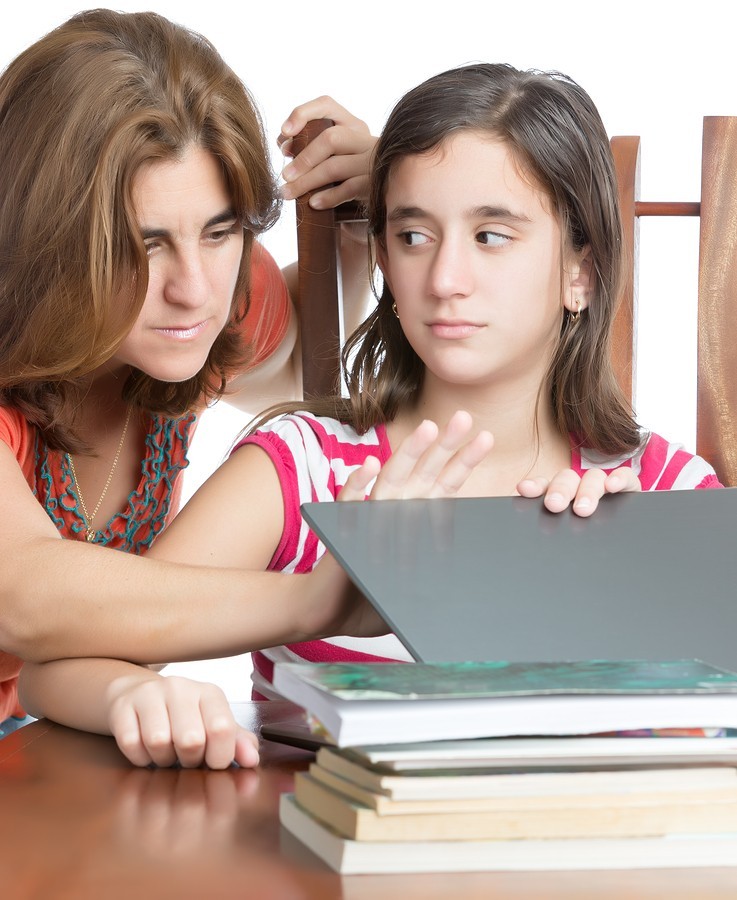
x,y
320,289
320,283
716,423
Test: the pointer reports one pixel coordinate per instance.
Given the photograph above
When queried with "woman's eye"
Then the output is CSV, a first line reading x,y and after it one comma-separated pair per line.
x,y
222,234
413,238
492,238
150,246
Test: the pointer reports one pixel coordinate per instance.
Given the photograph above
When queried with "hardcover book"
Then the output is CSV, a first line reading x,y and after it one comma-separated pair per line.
x,y
377,703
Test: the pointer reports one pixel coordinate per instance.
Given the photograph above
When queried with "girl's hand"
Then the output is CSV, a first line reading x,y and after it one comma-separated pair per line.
x,y
584,492
428,463
164,720
337,159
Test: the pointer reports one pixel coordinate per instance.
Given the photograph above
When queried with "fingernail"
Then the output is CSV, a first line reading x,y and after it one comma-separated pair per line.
x,y
285,192
557,500
582,503
316,201
287,173
287,127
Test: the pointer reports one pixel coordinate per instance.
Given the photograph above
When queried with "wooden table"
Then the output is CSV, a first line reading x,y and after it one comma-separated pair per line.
x,y
77,821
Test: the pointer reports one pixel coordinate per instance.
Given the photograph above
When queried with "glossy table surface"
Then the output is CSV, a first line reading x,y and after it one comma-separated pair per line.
x,y
77,821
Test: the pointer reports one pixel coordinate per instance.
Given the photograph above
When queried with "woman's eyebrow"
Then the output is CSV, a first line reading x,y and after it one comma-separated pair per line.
x,y
227,215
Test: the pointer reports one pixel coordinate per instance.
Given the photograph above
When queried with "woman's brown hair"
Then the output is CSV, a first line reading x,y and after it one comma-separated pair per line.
x,y
557,137
81,111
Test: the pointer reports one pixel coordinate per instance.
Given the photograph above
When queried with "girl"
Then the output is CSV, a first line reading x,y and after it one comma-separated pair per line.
x,y
134,179
494,209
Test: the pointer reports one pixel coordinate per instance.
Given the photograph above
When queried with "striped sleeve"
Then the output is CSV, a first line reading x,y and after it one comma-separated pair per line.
x,y
313,457
660,466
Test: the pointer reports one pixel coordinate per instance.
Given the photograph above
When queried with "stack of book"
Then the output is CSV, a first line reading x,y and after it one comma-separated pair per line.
x,y
484,766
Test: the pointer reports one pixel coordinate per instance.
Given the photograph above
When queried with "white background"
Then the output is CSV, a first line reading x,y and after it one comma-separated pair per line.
x,y
653,68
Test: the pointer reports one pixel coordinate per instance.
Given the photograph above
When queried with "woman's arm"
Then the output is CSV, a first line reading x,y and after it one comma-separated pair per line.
x,y
62,598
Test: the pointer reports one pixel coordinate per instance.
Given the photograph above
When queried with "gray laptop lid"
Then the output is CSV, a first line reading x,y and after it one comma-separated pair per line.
x,y
648,576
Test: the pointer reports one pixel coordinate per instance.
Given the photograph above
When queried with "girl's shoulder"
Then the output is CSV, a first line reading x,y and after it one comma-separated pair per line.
x,y
659,464
334,438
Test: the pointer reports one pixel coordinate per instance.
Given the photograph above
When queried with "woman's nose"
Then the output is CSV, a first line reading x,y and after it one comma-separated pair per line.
x,y
187,283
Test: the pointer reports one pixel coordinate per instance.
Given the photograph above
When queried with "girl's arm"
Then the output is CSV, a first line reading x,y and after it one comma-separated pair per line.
x,y
155,720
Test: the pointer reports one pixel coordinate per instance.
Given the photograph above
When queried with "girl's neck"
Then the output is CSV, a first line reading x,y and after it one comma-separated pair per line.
x,y
527,442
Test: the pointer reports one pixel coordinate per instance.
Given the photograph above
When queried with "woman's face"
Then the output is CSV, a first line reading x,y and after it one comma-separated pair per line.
x,y
473,259
194,242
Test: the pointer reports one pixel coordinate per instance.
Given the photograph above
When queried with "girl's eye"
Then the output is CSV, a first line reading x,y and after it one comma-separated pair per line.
x,y
492,238
413,238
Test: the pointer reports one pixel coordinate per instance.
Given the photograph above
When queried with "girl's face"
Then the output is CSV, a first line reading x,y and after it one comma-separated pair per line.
x,y
473,259
195,243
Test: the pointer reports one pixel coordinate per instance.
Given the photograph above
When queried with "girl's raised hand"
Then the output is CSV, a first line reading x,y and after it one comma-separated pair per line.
x,y
337,159
164,720
429,462
584,492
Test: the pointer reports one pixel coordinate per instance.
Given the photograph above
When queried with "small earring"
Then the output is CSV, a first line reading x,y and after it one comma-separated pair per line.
x,y
394,309
573,317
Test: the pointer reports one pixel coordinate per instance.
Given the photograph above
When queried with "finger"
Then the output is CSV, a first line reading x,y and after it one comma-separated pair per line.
x,y
345,175
155,727
342,192
622,480
400,467
561,490
533,487
127,733
357,484
462,464
246,750
220,728
324,107
336,141
433,469
590,491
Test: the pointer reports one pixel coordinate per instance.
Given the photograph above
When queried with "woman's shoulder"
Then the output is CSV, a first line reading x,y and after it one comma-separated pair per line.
x,y
661,465
14,429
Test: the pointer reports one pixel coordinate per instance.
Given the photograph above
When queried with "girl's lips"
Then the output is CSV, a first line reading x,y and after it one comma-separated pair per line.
x,y
454,330
184,333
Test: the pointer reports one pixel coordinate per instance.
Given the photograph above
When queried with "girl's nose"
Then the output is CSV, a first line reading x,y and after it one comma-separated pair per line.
x,y
451,273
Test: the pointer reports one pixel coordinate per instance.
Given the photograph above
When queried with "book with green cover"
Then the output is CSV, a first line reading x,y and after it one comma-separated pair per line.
x,y
376,703
399,681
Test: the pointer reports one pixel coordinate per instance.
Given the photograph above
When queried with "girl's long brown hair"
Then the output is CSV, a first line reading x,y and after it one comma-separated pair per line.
x,y
556,134
80,112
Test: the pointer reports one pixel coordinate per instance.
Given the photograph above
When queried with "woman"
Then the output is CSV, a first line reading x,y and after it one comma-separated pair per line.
x,y
134,180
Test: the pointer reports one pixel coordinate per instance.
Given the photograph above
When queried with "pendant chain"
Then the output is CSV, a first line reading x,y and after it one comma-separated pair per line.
x,y
88,519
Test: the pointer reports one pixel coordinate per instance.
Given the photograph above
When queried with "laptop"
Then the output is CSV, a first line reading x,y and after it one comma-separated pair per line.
x,y
647,576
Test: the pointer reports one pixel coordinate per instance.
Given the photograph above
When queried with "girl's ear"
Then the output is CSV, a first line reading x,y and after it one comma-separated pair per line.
x,y
383,261
578,280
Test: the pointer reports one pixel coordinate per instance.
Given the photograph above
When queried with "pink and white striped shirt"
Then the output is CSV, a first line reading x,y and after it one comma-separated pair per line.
x,y
314,456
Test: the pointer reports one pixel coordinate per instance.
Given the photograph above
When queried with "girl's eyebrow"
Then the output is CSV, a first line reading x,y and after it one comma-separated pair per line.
x,y
227,215
403,213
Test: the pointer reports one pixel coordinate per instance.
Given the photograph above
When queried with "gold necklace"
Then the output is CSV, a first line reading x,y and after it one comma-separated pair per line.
x,y
88,519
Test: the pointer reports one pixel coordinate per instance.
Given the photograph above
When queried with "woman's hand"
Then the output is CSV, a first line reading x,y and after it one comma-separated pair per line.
x,y
338,159
164,720
429,462
583,492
